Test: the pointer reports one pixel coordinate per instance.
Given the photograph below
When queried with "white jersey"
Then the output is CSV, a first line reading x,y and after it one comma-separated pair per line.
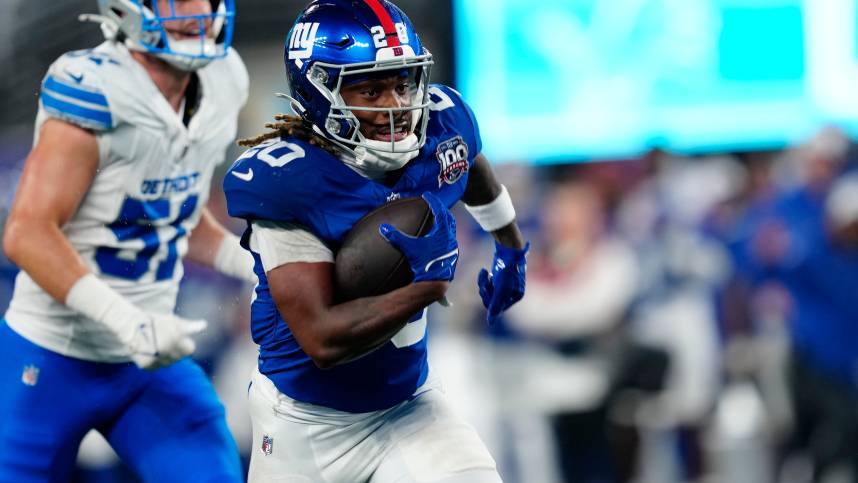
x,y
152,183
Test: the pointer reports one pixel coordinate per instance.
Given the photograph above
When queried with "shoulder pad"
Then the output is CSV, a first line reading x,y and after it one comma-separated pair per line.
x,y
448,106
241,79
230,76
277,180
73,90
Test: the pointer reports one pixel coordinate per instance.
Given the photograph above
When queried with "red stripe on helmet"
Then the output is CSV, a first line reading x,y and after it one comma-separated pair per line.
x,y
386,22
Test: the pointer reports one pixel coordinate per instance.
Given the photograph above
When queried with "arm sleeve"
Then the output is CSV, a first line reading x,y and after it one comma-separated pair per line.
x,y
279,243
258,190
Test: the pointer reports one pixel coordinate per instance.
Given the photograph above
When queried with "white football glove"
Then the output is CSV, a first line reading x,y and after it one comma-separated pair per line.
x,y
151,340
161,340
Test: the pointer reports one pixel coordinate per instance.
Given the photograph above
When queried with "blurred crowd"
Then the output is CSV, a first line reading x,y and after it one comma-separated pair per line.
x,y
687,319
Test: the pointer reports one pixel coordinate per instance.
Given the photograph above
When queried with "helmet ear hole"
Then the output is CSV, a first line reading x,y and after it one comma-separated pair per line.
x,y
320,75
333,126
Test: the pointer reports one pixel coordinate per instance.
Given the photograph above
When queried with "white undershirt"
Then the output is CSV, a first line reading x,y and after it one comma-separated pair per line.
x,y
279,243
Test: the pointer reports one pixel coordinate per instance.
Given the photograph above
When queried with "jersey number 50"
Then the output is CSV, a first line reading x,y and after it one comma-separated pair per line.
x,y
137,221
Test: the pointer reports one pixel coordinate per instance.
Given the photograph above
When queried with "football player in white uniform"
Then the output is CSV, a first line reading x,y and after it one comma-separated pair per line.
x,y
111,199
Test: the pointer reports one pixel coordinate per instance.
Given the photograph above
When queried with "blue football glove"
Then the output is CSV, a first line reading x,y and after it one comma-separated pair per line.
x,y
505,285
434,255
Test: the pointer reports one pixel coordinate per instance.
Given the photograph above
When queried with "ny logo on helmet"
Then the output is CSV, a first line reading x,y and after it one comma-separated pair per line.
x,y
302,41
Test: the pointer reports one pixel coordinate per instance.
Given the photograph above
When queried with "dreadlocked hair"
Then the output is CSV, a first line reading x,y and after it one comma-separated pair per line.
x,y
290,125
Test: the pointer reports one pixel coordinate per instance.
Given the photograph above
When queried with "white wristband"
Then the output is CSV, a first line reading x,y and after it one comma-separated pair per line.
x,y
97,301
233,260
495,214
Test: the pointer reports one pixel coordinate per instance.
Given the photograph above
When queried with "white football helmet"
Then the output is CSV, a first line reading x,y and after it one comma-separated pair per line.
x,y
140,25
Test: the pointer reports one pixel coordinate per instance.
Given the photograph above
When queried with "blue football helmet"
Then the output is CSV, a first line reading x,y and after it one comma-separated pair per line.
x,y
140,24
337,42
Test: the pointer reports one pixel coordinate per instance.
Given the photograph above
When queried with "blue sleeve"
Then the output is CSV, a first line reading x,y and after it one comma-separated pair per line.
x,y
73,92
458,114
274,181
779,235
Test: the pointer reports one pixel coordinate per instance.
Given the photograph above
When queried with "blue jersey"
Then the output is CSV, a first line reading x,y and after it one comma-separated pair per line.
x,y
821,278
290,180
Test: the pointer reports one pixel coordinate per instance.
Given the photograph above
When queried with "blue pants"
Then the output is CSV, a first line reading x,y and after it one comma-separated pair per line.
x,y
167,425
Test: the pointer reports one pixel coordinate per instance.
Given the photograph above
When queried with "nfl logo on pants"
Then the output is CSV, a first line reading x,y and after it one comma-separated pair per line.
x,y
267,444
30,376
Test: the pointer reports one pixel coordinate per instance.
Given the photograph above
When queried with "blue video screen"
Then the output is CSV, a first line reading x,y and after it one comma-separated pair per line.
x,y
557,80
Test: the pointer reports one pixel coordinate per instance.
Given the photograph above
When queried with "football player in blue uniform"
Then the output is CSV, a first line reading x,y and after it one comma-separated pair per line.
x,y
128,135
343,391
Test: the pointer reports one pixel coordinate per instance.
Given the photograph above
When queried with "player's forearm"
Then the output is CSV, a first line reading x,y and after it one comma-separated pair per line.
x,y
212,245
483,186
205,240
355,328
509,236
484,190
42,250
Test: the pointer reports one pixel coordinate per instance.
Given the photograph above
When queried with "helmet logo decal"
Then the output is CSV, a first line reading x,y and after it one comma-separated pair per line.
x,y
379,36
302,41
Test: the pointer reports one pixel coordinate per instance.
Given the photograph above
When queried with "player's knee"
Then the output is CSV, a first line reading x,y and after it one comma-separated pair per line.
x,y
443,451
23,467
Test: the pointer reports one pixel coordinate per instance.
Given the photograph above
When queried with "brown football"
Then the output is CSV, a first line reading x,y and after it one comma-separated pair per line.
x,y
366,264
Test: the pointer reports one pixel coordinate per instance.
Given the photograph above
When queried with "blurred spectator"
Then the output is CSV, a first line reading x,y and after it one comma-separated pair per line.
x,y
680,268
582,282
806,241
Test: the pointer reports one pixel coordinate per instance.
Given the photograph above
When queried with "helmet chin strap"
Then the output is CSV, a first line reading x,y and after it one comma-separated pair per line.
x,y
374,161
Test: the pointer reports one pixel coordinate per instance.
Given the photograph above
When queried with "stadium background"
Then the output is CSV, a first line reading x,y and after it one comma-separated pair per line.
x,y
633,134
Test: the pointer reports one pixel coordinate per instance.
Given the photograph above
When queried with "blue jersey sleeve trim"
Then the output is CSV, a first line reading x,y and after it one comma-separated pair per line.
x,y
89,117
73,92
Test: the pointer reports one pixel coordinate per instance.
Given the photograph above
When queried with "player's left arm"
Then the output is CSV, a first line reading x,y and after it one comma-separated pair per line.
x,y
488,201
211,244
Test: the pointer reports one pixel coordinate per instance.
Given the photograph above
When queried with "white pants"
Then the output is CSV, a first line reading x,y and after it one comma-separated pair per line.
x,y
417,441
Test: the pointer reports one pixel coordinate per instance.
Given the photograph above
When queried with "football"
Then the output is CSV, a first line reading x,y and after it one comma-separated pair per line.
x,y
366,264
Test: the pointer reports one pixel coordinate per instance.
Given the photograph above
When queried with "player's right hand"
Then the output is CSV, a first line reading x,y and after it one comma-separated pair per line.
x,y
434,255
160,340
150,340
